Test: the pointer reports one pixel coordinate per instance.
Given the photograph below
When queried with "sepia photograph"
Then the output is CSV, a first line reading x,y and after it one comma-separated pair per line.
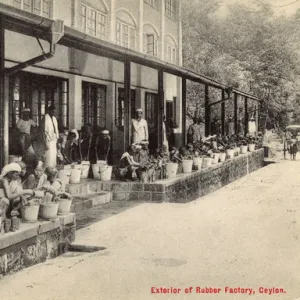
x,y
148,149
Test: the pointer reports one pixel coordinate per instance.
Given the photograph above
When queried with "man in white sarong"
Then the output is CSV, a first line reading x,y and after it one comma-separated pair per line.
x,y
139,128
51,135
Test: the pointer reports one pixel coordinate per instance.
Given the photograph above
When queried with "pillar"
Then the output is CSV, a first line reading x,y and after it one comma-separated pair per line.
x,y
223,112
235,112
75,103
184,111
246,115
207,110
4,102
161,106
127,104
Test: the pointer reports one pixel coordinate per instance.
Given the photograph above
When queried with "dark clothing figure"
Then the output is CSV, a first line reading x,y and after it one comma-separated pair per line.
x,y
71,152
103,147
88,144
215,127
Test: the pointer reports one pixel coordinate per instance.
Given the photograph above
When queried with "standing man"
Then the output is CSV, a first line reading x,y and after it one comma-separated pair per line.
x,y
139,128
51,135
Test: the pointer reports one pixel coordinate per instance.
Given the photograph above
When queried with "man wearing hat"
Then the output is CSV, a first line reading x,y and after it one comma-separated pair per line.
x,y
24,126
139,128
103,145
51,135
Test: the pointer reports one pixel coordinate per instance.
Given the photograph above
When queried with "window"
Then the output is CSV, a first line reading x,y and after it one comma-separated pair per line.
x,y
38,92
93,22
126,35
150,44
120,106
171,54
170,9
153,3
38,7
94,104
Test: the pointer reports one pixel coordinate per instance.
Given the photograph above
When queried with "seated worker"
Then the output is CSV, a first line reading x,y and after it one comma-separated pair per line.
x,y
143,156
53,186
37,179
13,190
88,144
23,170
103,145
128,165
71,150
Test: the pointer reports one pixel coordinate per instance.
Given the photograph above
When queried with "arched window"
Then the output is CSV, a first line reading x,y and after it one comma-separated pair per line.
x,y
126,29
150,40
93,20
170,49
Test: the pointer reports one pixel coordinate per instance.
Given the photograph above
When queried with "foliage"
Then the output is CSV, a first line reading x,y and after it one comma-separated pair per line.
x,y
251,49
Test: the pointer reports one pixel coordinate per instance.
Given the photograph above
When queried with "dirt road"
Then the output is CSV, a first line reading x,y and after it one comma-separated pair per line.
x,y
244,238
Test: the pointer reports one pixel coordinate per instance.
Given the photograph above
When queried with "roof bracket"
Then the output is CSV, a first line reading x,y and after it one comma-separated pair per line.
x,y
56,33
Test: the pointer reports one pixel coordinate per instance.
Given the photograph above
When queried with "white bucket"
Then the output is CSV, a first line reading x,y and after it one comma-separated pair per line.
x,y
171,169
105,172
244,149
251,147
230,153
207,161
30,213
187,165
198,162
85,169
77,166
48,210
64,206
64,176
96,171
75,176
215,158
222,156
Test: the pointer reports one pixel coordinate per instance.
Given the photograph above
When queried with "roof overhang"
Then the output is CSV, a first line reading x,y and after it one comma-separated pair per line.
x,y
33,25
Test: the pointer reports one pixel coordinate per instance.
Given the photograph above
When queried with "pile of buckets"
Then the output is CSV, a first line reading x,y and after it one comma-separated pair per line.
x,y
75,172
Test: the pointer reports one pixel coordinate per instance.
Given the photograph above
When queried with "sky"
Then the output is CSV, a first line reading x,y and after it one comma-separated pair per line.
x,y
280,6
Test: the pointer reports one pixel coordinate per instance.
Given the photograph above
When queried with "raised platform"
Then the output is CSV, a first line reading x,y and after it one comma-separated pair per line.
x,y
35,243
183,188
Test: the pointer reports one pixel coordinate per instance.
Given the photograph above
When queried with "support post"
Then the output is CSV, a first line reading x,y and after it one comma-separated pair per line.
x,y
127,104
235,113
207,111
246,115
223,112
184,141
4,138
256,118
161,102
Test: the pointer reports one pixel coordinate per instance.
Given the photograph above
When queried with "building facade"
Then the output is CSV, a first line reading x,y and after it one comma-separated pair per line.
x,y
89,89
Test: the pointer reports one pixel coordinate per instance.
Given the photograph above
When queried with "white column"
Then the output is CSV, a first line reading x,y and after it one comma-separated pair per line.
x,y
112,22
162,30
75,102
179,34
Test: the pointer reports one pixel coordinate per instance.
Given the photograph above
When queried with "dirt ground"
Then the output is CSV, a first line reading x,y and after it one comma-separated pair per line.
x,y
244,237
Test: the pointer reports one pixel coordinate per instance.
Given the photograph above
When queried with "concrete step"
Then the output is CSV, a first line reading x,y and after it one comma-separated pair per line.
x,y
82,203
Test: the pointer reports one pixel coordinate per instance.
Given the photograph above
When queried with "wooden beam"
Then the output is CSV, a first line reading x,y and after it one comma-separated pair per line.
x,y
223,112
184,141
246,115
161,107
127,104
235,113
4,142
207,111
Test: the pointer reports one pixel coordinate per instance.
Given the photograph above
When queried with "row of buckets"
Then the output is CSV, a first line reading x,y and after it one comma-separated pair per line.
x,y
75,172
205,162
